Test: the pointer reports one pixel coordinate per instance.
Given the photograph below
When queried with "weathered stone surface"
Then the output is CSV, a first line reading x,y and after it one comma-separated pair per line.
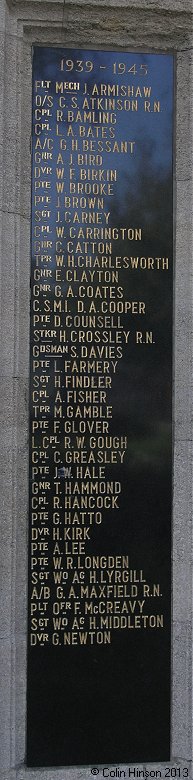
x,y
161,5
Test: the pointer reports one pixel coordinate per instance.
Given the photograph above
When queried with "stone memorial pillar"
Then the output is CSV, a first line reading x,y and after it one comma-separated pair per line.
x,y
42,41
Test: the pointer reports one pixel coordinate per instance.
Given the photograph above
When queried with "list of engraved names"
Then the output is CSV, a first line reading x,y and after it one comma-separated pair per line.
x,y
94,310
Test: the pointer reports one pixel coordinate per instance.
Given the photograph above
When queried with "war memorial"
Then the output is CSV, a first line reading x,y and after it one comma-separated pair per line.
x,y
96,254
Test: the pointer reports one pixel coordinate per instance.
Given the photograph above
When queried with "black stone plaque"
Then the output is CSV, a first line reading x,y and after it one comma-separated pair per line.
x,y
101,390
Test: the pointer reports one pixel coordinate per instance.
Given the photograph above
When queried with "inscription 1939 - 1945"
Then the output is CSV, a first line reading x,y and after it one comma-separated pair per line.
x,y
100,408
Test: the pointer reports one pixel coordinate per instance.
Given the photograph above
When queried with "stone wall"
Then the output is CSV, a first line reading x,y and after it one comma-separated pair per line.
x,y
148,25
